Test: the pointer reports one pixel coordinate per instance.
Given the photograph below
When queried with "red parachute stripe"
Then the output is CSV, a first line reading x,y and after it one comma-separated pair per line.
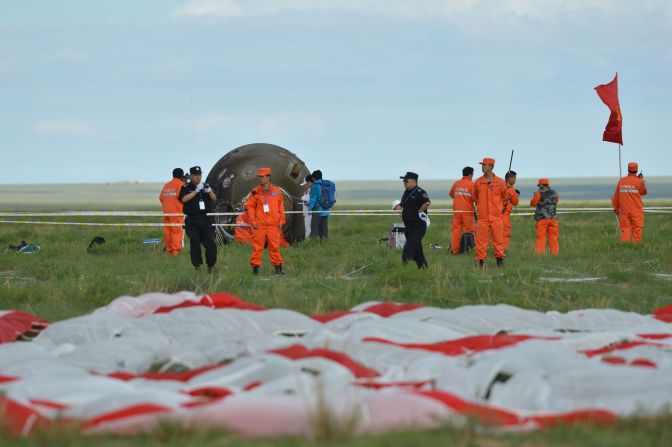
x,y
387,309
297,352
214,300
613,360
486,414
252,385
600,417
6,379
48,404
644,362
655,336
134,410
210,392
181,377
621,347
664,314
19,419
15,323
323,318
466,345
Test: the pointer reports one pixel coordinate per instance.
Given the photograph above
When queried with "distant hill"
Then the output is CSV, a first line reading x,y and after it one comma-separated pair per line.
x,y
144,196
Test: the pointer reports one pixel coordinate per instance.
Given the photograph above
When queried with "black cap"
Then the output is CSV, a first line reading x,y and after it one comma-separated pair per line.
x,y
195,170
409,175
178,173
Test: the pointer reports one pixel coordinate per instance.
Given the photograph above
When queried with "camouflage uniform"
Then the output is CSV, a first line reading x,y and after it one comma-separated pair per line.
x,y
546,208
546,201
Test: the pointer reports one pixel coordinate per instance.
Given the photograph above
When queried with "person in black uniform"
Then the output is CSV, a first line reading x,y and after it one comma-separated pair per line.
x,y
198,199
413,206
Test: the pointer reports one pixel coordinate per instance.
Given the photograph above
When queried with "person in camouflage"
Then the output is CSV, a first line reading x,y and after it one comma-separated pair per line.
x,y
546,201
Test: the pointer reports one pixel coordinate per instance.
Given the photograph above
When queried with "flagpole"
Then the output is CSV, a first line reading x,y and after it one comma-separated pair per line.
x,y
619,162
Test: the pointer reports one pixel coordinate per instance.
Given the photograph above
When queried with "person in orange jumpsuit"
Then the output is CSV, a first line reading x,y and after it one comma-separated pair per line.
x,y
546,201
173,235
627,202
463,209
489,194
511,201
266,210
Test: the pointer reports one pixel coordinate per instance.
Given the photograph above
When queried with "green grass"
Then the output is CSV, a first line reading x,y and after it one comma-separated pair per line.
x,y
63,281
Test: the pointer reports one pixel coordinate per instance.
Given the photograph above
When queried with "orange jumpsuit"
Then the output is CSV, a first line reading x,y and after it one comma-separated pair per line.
x,y
627,202
170,202
544,228
509,203
489,198
463,211
266,210
243,234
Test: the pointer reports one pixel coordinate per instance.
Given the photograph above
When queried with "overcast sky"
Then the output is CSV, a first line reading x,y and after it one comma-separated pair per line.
x,y
97,91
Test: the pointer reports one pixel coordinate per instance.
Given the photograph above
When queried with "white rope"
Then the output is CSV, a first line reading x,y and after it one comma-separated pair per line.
x,y
347,212
109,224
362,212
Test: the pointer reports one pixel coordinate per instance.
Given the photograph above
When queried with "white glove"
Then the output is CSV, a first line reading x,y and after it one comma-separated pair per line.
x,y
199,187
207,188
425,218
395,203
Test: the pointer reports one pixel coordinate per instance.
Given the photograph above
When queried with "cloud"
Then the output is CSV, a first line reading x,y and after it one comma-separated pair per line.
x,y
63,128
215,8
497,11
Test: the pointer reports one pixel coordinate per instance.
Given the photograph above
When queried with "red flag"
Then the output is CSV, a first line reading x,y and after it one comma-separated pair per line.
x,y
608,93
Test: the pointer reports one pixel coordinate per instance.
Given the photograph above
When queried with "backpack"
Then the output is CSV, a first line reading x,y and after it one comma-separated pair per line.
x,y
327,194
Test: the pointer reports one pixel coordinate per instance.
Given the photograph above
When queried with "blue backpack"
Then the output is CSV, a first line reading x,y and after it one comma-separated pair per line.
x,y
328,194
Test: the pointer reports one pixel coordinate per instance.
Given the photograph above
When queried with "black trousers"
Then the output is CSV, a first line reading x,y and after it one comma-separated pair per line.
x,y
413,247
200,231
319,226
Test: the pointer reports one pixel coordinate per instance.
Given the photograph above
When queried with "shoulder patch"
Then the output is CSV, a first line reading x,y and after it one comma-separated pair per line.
x,y
425,195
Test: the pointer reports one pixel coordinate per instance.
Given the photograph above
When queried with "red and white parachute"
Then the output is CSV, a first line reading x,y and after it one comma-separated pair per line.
x,y
219,361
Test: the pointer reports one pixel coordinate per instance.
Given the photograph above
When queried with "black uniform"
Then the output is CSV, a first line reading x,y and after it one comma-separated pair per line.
x,y
199,226
415,227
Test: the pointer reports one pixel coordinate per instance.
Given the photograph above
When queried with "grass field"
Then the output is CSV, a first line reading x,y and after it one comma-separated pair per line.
x,y
63,281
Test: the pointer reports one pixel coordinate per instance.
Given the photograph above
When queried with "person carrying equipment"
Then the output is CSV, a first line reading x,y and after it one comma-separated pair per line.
x,y
627,203
173,236
511,201
463,212
489,193
266,211
198,199
546,201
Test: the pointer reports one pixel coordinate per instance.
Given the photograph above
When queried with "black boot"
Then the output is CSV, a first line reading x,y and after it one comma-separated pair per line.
x,y
211,268
481,263
278,270
255,270
500,262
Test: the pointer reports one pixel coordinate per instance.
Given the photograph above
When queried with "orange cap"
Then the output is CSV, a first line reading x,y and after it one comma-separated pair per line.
x,y
543,181
263,172
488,161
633,167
